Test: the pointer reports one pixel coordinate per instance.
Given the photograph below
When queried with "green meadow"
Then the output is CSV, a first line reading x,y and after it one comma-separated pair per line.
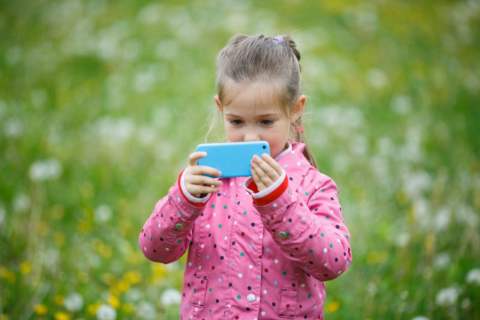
x,y
101,102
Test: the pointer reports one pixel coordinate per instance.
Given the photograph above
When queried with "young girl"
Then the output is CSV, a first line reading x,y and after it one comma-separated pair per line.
x,y
259,247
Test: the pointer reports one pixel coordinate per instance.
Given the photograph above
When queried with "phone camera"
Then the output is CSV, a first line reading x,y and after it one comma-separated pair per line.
x,y
264,147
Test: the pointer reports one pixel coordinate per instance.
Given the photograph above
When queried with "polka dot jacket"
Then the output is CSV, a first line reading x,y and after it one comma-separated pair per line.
x,y
254,255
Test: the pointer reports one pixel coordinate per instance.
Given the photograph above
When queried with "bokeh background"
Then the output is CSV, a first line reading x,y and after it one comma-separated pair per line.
x,y
102,101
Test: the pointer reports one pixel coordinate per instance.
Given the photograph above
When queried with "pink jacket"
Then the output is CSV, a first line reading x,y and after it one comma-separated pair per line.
x,y
254,255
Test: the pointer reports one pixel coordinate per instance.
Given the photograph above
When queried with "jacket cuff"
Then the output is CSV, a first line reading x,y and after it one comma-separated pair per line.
x,y
198,202
264,197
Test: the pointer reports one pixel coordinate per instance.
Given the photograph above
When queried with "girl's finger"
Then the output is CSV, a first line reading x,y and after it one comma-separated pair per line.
x,y
201,180
266,168
193,157
273,163
262,175
194,189
199,170
257,180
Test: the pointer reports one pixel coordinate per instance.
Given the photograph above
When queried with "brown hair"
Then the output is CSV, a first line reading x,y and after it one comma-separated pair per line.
x,y
247,59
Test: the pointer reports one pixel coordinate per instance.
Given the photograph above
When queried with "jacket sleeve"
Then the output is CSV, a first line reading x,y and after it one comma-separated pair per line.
x,y
167,233
310,232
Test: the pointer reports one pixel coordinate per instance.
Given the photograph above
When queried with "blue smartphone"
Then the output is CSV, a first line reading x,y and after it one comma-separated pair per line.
x,y
232,159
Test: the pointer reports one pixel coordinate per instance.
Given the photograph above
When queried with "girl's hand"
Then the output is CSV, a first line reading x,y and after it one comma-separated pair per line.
x,y
197,184
265,171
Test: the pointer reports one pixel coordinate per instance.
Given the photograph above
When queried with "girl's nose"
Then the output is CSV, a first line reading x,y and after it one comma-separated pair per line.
x,y
251,135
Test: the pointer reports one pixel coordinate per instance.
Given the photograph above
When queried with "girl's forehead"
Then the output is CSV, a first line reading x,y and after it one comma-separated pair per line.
x,y
259,95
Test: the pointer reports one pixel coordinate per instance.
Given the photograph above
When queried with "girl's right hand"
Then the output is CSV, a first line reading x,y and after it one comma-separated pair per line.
x,y
195,181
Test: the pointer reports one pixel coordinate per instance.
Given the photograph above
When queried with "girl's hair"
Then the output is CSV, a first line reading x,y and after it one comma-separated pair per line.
x,y
248,59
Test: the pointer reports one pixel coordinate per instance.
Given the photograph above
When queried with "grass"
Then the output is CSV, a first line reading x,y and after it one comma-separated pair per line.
x,y
101,103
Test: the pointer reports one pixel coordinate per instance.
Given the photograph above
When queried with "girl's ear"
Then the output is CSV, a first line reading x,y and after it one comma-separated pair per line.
x,y
219,105
298,108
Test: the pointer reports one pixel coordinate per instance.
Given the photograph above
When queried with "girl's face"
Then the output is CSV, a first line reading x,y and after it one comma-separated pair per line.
x,y
252,115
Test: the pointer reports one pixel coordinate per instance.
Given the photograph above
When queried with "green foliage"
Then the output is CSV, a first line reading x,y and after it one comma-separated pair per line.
x,y
101,103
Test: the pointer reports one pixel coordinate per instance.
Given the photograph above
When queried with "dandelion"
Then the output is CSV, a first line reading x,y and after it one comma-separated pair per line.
x,y
134,295
171,296
59,315
146,311
401,104
21,203
106,312
473,276
13,128
377,78
442,260
332,306
45,170
447,296
103,213
74,302
41,309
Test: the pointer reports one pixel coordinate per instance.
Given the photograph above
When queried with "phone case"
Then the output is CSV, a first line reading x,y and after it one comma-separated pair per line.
x,y
232,159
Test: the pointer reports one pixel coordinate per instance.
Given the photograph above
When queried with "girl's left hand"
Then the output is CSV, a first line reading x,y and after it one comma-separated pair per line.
x,y
265,171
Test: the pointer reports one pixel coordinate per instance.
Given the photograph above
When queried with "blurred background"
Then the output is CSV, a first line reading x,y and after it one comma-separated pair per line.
x,y
102,101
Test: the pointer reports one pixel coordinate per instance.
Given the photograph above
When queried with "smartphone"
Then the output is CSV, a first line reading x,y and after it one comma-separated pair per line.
x,y
232,159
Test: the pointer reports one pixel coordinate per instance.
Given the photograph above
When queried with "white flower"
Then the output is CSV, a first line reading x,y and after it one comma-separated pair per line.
x,y
401,104
442,260
21,203
171,296
73,302
106,312
103,213
134,294
473,276
45,170
13,128
420,318
146,311
447,296
377,78
403,239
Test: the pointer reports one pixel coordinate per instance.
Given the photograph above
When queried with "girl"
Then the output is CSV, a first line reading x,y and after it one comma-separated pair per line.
x,y
259,247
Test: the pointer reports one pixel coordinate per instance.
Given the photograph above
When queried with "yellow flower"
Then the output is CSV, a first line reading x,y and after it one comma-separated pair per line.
x,y
108,278
84,226
43,228
59,238
41,309
92,308
104,250
114,302
158,271
332,306
58,299
133,277
61,316
375,257
123,285
127,308
8,275
25,268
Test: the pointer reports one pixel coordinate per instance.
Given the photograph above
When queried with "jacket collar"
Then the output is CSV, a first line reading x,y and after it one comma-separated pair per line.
x,y
294,163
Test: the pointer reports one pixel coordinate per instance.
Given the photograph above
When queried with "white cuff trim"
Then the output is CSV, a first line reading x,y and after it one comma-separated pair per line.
x,y
267,191
188,195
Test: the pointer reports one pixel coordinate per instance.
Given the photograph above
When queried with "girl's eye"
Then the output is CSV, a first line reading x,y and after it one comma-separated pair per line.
x,y
236,122
267,122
